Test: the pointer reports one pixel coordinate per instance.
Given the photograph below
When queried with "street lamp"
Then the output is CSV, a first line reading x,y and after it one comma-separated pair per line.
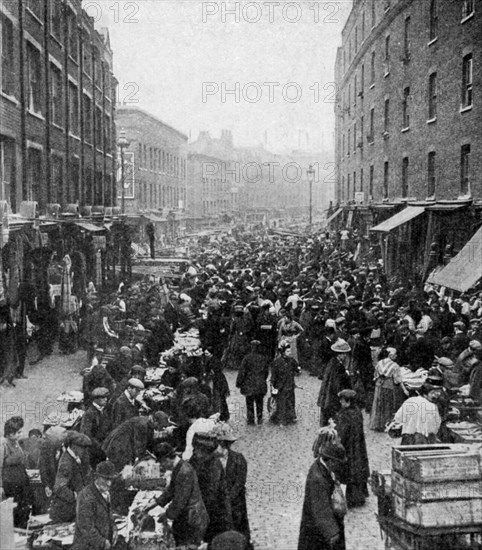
x,y
310,173
123,143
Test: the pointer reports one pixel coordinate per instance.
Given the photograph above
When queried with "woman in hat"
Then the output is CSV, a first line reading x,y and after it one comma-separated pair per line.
x,y
322,528
236,469
349,425
14,481
389,390
94,524
283,372
419,417
289,330
73,474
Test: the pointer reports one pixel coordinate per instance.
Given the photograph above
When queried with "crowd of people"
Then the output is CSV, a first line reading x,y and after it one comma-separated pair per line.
x,y
267,307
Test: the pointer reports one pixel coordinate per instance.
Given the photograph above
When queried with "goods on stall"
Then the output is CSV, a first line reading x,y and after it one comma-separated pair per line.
x,y
471,432
144,475
73,396
60,534
435,486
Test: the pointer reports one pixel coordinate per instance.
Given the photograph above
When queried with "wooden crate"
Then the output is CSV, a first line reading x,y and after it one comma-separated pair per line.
x,y
442,490
431,463
441,513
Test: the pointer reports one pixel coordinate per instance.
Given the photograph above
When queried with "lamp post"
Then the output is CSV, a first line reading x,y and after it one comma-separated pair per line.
x,y
123,143
310,173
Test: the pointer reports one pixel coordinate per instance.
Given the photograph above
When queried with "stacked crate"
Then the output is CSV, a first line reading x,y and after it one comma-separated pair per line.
x,y
437,486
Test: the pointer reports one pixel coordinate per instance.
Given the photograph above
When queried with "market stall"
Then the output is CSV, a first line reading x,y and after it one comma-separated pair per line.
x,y
432,498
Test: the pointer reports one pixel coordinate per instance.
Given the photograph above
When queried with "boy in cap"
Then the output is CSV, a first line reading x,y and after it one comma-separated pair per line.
x,y
126,406
96,424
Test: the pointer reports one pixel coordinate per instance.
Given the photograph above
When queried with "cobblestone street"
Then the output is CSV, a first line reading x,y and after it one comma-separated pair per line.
x,y
278,457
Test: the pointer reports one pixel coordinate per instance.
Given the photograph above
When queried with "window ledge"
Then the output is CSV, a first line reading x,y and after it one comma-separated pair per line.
x,y
431,198
56,40
35,114
407,129
467,18
432,41
73,136
466,197
372,86
465,109
57,126
386,74
10,98
75,61
432,120
34,15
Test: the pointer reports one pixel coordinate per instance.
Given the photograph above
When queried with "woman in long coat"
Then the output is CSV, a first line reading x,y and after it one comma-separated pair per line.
x,y
320,528
283,372
349,426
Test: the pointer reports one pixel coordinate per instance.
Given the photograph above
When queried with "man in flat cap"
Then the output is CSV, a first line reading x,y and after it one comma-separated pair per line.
x,y
94,524
126,406
96,424
73,474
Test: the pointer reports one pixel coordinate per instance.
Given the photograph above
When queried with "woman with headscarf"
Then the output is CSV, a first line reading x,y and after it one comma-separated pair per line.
x,y
389,390
283,372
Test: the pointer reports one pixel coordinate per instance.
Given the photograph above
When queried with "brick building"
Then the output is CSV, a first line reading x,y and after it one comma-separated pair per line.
x,y
408,118
57,106
213,183
158,153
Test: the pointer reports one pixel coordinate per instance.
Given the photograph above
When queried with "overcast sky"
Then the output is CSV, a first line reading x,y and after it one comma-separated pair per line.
x,y
177,58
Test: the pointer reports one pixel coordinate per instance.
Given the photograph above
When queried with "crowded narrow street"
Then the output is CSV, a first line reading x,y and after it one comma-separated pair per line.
x,y
278,457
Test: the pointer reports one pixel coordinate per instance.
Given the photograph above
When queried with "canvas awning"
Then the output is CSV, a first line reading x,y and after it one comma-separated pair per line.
x,y
464,270
333,216
90,227
399,219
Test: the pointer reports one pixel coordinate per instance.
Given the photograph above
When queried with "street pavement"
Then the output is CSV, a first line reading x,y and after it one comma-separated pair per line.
x,y
278,457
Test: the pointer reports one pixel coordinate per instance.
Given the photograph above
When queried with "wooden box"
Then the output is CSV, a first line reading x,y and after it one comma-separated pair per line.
x,y
440,513
443,490
431,463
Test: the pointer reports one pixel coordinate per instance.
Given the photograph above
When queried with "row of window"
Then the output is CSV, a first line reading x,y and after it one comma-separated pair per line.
x,y
62,17
467,102
465,177
160,196
353,43
158,160
35,78
350,98
210,207
63,185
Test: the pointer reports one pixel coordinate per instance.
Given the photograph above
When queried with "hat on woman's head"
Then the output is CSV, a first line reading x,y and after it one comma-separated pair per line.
x,y
223,432
341,346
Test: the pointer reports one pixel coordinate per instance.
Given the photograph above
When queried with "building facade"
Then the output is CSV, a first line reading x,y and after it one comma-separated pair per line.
x,y
409,127
157,158
57,107
408,118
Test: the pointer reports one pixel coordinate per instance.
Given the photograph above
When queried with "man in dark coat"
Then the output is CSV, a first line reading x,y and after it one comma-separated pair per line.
x,y
323,353
96,424
320,528
126,406
133,438
349,426
94,525
251,381
335,379
73,474
212,483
